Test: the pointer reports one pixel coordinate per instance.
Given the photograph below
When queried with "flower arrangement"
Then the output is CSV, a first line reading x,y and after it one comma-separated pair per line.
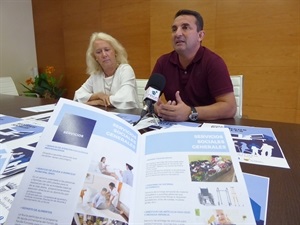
x,y
44,85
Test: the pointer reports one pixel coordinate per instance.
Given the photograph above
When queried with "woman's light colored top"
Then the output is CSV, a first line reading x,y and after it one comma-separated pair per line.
x,y
121,87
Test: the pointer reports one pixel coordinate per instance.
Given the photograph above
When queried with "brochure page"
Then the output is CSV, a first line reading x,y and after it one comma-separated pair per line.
x,y
90,166
67,180
258,190
255,145
191,176
8,190
8,119
19,139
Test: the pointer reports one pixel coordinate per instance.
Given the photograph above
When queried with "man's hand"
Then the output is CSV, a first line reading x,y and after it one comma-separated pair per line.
x,y
173,110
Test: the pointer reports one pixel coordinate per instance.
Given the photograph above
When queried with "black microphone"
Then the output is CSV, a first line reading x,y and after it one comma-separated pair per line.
x,y
154,88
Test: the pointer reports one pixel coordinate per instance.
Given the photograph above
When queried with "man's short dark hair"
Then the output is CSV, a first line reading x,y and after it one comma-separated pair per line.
x,y
199,19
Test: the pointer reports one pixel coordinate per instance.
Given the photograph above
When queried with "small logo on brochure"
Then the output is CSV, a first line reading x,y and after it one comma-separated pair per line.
x,y
74,130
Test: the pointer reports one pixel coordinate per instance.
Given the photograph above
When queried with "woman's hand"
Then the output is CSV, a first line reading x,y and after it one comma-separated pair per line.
x,y
99,99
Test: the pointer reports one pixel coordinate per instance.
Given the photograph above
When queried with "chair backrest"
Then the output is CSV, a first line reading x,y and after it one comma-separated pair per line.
x,y
7,86
237,82
204,191
141,84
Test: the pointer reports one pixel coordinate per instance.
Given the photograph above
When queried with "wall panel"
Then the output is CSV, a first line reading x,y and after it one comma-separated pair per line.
x,y
261,40
129,22
298,105
80,20
49,40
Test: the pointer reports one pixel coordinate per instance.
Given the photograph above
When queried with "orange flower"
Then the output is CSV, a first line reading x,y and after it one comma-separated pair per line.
x,y
49,70
29,81
44,84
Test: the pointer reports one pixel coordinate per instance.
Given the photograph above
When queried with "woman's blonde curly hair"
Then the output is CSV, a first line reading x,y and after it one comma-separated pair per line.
x,y
92,65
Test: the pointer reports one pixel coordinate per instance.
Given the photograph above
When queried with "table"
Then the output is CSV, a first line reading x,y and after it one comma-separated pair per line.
x,y
284,192
11,105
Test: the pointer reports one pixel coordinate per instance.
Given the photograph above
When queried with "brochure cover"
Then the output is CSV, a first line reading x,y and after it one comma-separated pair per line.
x,y
8,119
118,176
19,138
8,189
258,190
18,129
5,154
255,145
42,117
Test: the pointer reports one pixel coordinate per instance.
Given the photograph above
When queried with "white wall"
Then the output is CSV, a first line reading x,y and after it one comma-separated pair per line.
x,y
17,42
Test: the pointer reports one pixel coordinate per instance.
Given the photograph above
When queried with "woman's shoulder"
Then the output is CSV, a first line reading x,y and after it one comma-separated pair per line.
x,y
96,75
125,68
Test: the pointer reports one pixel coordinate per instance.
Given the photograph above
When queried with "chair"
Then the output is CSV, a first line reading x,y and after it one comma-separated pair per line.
x,y
7,86
237,82
205,197
141,84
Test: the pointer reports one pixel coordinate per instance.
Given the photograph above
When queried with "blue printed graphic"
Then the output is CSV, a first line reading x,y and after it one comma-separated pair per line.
x,y
74,130
114,130
187,141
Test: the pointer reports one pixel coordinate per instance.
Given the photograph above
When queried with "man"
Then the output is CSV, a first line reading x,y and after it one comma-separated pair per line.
x,y
114,198
99,200
198,85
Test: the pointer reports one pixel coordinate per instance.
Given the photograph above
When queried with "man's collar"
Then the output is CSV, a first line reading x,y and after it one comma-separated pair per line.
x,y
174,59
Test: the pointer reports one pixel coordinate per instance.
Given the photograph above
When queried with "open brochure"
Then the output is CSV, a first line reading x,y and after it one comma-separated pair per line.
x,y
8,190
17,144
91,166
7,119
255,145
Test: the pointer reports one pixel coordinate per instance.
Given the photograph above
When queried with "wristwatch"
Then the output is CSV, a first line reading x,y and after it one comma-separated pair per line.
x,y
194,114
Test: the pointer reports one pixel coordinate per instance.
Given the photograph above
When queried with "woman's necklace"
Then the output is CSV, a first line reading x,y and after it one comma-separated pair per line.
x,y
107,84
108,81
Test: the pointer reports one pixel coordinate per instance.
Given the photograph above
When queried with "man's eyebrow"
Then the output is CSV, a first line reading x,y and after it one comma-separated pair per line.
x,y
185,24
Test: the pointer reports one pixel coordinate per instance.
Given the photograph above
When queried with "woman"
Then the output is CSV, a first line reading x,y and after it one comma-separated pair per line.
x,y
127,175
112,80
103,168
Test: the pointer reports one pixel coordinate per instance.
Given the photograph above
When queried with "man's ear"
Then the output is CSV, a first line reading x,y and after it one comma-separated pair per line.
x,y
201,35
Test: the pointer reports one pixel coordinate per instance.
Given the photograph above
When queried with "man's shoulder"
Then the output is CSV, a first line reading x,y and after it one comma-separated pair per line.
x,y
166,56
208,53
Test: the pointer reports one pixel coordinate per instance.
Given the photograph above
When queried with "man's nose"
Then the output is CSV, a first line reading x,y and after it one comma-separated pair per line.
x,y
178,31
